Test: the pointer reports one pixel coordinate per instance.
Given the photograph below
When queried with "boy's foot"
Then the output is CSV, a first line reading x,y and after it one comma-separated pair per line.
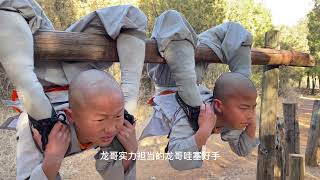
x,y
192,112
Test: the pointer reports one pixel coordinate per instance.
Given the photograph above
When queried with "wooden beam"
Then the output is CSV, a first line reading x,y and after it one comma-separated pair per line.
x,y
292,132
314,136
296,167
268,116
73,46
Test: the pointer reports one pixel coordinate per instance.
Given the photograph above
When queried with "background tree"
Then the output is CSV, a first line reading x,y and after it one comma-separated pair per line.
x,y
293,38
314,40
256,18
201,14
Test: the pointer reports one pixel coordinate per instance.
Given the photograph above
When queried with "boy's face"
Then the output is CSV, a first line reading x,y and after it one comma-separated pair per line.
x,y
100,120
239,111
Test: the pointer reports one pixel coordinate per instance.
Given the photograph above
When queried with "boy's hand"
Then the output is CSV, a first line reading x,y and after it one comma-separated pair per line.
x,y
251,128
207,122
58,143
127,137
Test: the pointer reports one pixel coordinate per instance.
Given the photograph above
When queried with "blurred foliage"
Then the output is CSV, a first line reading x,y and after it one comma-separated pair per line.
x,y
314,42
314,30
293,38
253,16
201,14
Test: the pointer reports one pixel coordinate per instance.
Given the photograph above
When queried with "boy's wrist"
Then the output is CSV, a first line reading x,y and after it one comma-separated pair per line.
x,y
133,149
205,131
52,158
51,166
202,136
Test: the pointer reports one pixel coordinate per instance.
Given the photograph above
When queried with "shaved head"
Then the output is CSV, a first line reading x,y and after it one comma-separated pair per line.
x,y
233,84
92,84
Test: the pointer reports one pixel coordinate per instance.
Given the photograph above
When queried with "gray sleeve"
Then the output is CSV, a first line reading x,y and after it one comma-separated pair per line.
x,y
130,174
113,169
110,169
231,42
38,174
243,145
28,158
182,139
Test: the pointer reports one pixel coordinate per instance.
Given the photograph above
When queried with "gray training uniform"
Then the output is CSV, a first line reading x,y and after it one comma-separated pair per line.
x,y
108,21
231,43
29,160
112,22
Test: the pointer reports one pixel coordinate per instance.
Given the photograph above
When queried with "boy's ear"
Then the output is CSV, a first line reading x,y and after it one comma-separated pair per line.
x,y
217,105
68,112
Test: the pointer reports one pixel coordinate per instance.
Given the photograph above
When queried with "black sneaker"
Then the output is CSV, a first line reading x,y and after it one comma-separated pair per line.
x,y
191,112
44,126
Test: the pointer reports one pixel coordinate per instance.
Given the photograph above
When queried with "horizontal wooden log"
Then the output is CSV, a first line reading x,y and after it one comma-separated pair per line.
x,y
72,46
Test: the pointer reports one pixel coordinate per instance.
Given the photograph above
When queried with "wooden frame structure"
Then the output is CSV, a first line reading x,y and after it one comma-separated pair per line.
x,y
66,46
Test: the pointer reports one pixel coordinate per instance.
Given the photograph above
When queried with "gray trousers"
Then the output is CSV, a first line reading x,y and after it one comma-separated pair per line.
x,y
230,41
16,53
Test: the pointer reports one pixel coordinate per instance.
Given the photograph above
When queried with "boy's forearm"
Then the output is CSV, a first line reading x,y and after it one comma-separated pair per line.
x,y
51,167
201,137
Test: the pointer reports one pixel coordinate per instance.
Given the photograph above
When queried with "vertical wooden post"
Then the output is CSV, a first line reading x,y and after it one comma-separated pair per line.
x,y
268,114
292,132
280,170
314,136
296,167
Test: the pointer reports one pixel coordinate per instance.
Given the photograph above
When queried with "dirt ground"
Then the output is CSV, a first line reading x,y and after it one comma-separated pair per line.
x,y
227,167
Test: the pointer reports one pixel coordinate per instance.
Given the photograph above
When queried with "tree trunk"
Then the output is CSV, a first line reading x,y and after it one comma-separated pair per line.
x,y
313,84
308,81
319,81
300,80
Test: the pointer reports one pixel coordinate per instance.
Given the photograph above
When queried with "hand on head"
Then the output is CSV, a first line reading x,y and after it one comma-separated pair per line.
x,y
58,141
127,137
207,122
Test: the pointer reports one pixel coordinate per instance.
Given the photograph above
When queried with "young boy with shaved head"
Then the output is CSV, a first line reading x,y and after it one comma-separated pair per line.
x,y
187,111
95,119
42,86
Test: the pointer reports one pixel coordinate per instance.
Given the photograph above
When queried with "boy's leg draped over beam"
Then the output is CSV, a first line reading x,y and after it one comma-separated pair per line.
x,y
126,25
16,57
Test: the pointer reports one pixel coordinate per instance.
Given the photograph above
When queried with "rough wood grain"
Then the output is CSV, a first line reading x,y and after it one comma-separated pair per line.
x,y
72,46
312,158
268,116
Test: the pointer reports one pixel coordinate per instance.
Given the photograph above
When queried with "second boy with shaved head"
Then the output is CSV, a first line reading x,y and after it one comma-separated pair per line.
x,y
183,108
